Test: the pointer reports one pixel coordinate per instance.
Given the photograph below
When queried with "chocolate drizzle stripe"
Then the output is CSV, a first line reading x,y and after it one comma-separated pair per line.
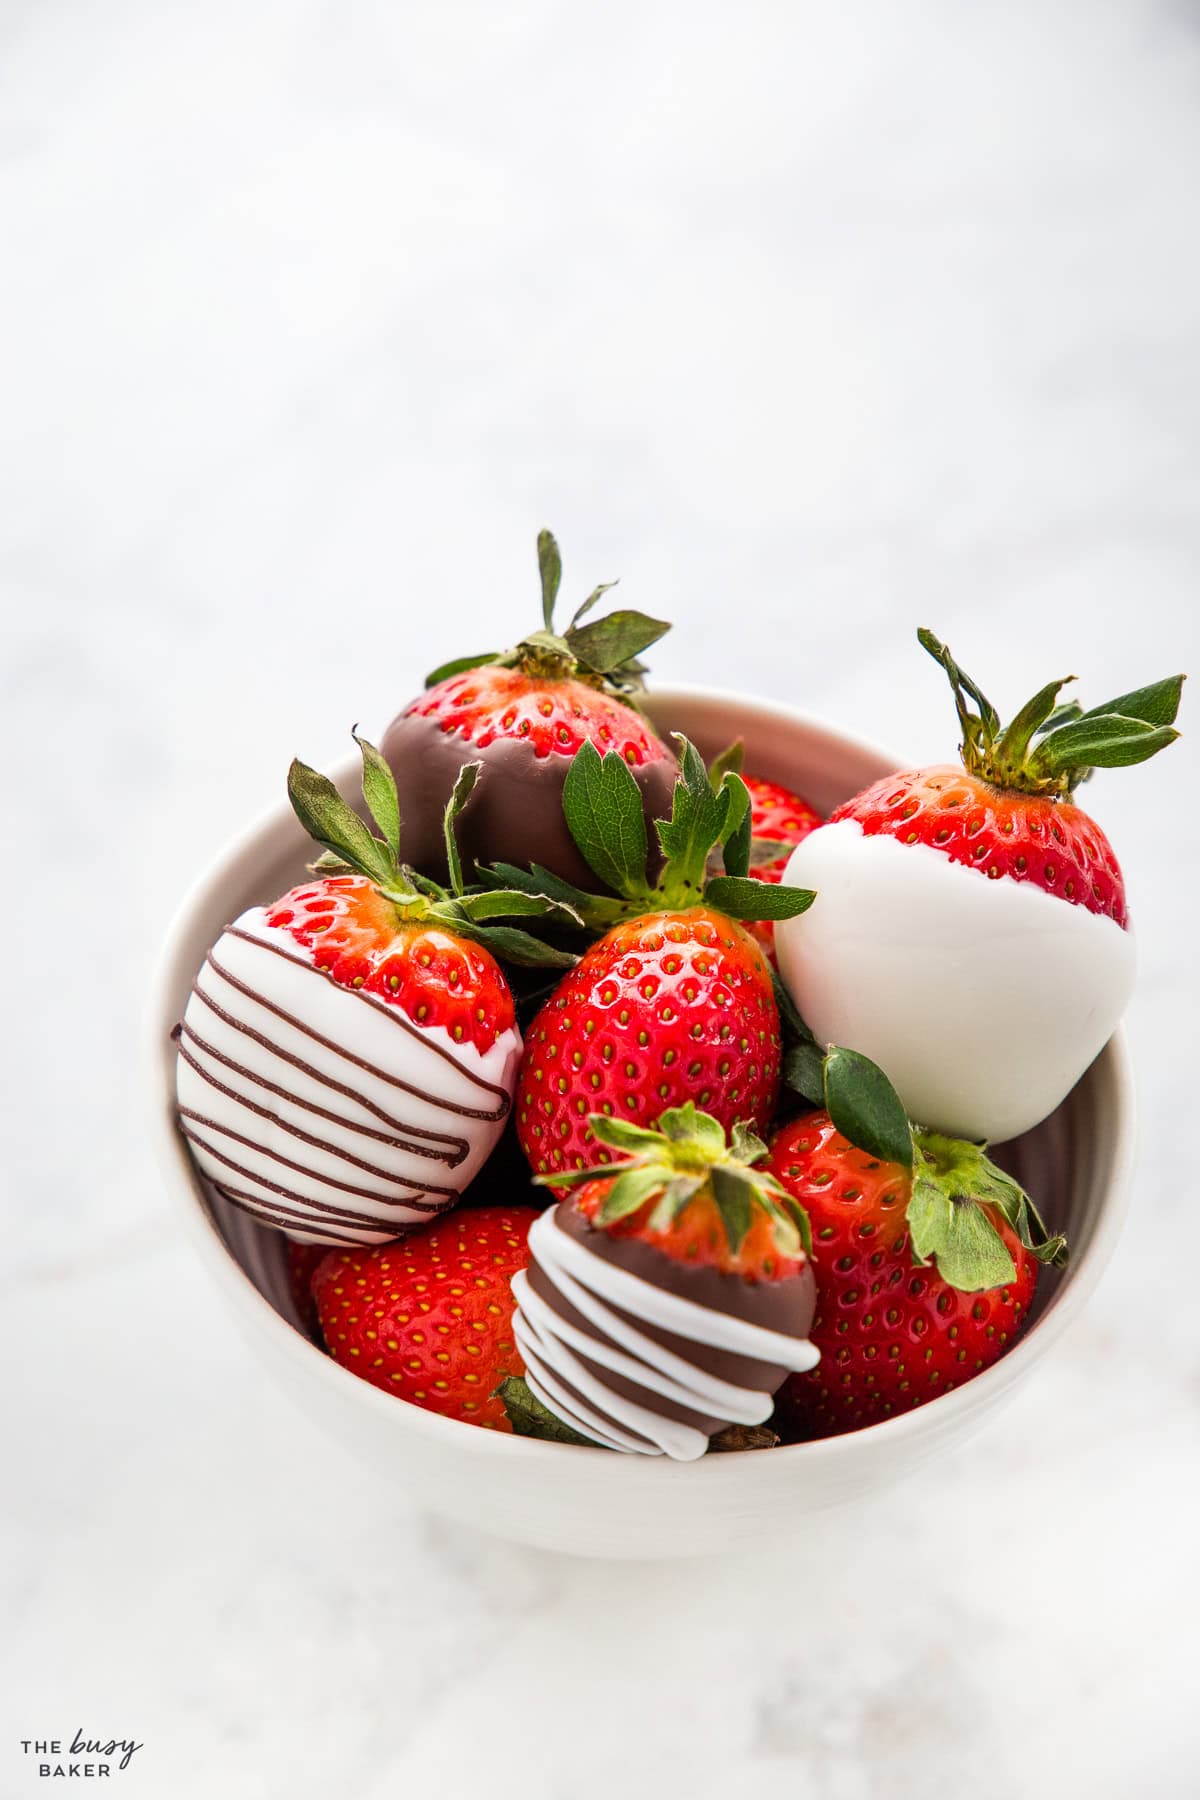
x,y
459,1144
359,1062
335,1118
304,1137
687,1380
284,1217
316,1206
275,1156
394,1017
555,1391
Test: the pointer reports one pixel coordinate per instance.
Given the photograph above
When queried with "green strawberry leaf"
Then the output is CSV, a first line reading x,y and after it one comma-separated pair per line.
x,y
789,1012
804,1070
464,787
596,910
329,864
790,1221
459,666
610,642
728,763
514,903
964,1171
743,898
509,944
550,570
1014,740
1154,705
736,838
687,1121
978,730
959,1237
745,1143
603,807
529,1418
326,817
866,1108
623,1134
379,792
735,1195
630,1191
1100,741
581,612
678,1191
697,822
1070,709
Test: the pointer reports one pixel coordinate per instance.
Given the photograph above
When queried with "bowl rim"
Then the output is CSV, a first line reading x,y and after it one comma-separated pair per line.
x,y
935,1416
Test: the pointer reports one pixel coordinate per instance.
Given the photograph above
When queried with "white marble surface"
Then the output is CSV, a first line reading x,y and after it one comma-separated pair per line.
x,y
814,324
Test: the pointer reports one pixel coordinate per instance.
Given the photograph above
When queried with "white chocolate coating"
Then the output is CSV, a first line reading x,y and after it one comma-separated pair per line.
x,y
984,1001
323,1109
552,1347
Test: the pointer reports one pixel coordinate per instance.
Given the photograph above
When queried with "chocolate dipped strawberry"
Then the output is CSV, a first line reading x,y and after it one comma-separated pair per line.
x,y
348,1054
675,1001
522,714
670,1295
973,935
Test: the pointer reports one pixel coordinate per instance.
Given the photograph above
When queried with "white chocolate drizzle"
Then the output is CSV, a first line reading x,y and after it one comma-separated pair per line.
x,y
565,1363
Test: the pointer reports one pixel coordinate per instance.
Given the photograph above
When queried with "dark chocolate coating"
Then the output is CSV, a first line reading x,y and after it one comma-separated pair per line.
x,y
515,814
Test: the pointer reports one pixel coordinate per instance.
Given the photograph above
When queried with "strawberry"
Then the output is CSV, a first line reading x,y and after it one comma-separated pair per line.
x,y
982,901
925,1254
675,1002
523,715
670,1006
348,1054
778,819
669,1296
430,1318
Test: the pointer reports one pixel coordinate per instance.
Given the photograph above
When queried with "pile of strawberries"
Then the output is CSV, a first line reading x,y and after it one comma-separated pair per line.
x,y
593,924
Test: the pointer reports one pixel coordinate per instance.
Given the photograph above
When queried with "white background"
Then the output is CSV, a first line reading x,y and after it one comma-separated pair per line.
x,y
813,323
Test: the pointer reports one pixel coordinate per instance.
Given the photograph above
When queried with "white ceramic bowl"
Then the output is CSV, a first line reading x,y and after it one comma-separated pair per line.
x,y
591,1502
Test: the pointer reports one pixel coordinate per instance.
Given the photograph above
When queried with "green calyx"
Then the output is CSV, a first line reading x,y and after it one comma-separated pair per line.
x,y
956,1189
603,807
349,847
684,1155
1051,746
605,653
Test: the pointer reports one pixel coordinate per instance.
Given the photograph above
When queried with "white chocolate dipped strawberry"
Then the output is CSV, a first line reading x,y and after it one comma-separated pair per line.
x,y
670,1295
971,933
348,1055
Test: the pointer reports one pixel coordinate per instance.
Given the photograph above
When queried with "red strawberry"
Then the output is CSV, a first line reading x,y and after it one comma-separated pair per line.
x,y
982,902
670,1295
778,821
430,1318
348,1055
893,1335
675,1002
667,1007
777,816
523,715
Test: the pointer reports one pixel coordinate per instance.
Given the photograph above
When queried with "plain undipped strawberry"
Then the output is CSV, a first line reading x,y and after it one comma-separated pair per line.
x,y
430,1318
891,1335
666,1008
